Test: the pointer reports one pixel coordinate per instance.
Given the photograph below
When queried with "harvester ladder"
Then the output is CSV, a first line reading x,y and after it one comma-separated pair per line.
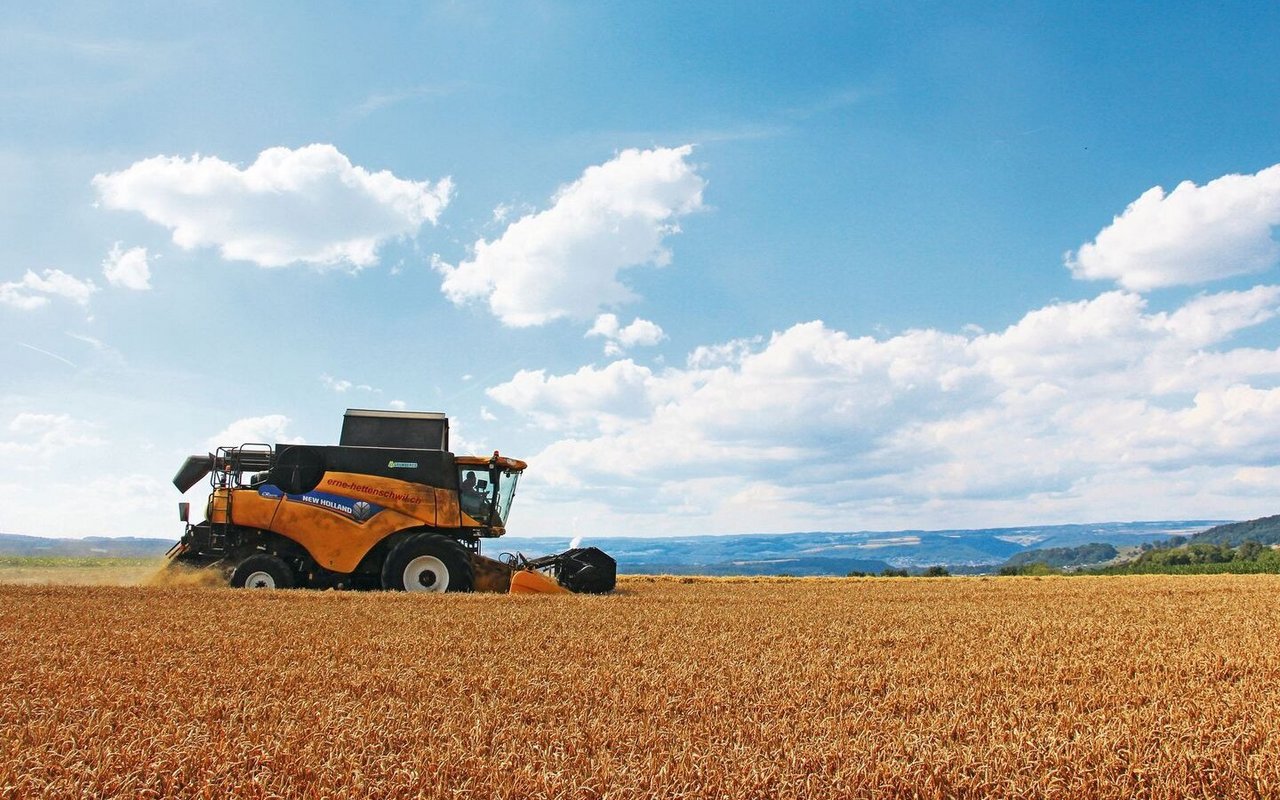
x,y
230,464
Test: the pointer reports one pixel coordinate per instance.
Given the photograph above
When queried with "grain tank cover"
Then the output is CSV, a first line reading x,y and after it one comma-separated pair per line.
x,y
422,430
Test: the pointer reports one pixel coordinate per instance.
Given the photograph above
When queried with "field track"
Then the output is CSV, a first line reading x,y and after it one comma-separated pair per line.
x,y
1158,687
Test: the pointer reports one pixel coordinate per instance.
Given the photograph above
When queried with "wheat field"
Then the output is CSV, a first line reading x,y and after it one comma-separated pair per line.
x,y
1158,687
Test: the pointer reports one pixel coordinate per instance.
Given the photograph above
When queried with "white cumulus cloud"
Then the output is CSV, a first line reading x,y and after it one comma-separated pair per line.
x,y
127,268
342,385
35,434
338,385
619,338
267,429
1080,410
567,261
33,291
589,397
117,503
309,205
1194,234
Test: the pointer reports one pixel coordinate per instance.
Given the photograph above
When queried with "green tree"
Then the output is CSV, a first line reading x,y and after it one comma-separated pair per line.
x,y
1249,550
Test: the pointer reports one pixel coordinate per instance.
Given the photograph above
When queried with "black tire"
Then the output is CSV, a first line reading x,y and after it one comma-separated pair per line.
x,y
263,571
428,562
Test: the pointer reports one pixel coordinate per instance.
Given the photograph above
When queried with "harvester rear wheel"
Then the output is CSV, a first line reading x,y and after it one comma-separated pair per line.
x,y
263,571
428,562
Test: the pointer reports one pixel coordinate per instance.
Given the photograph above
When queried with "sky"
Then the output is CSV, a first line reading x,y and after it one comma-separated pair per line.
x,y
708,268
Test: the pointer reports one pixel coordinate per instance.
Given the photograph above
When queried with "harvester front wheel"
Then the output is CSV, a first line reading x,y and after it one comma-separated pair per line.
x,y
427,562
263,571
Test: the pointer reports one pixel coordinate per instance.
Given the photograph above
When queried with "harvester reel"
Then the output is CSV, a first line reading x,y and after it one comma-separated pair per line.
x,y
263,571
587,569
428,562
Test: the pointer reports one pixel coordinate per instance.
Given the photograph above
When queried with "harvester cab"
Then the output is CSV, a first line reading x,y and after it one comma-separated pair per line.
x,y
486,488
389,507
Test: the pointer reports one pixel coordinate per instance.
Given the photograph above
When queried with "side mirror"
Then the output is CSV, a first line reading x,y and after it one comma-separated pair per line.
x,y
184,512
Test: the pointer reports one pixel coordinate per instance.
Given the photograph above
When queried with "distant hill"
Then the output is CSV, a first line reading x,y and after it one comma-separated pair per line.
x,y
1263,531
1221,548
1059,557
12,544
827,553
813,553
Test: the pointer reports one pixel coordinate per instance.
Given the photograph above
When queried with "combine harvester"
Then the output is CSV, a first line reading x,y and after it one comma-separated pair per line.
x,y
389,507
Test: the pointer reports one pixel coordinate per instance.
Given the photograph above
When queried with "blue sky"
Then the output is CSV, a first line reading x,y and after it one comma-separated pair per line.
x,y
722,268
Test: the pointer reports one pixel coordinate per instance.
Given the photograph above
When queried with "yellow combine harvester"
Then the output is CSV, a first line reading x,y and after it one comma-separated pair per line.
x,y
389,507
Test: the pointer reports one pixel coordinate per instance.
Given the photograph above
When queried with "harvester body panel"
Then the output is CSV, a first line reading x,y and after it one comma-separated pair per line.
x,y
346,514
248,508
336,531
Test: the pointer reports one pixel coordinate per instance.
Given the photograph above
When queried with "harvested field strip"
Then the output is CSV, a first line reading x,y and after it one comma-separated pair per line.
x,y
1112,687
77,571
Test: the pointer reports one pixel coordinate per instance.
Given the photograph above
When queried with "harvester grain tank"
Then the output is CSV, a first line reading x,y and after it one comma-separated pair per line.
x,y
388,507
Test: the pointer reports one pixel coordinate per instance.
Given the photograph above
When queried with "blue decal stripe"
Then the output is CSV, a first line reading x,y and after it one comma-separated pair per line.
x,y
358,510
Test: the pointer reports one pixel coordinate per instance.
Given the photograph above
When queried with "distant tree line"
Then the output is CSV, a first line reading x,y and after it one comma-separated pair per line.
x,y
1176,555
928,572
1058,557
1265,530
1199,557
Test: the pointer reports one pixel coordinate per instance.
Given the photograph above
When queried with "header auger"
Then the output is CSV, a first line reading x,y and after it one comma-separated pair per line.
x,y
389,507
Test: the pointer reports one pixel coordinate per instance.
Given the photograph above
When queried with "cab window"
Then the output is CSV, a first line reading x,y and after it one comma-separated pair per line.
x,y
475,494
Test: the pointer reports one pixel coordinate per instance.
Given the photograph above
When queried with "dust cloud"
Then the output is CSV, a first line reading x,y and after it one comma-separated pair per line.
x,y
172,575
